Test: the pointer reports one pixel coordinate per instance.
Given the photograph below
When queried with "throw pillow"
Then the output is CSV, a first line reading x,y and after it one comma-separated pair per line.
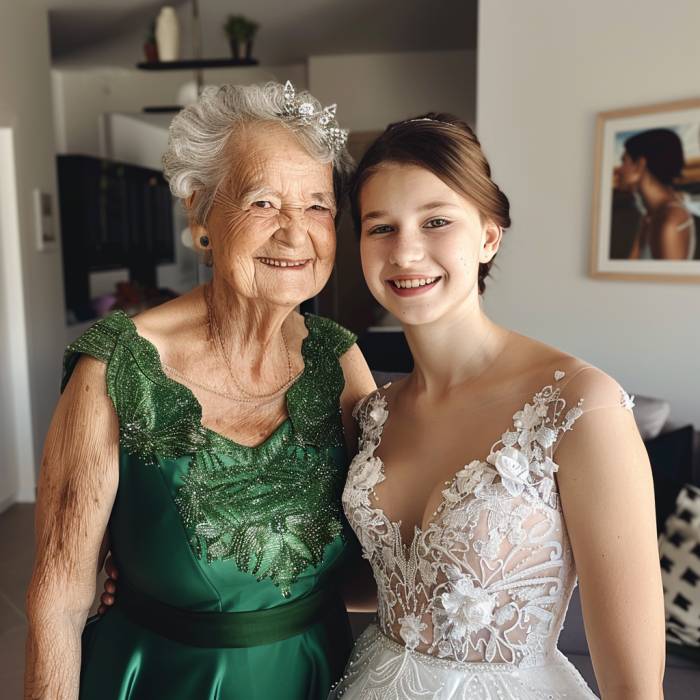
x,y
679,550
650,415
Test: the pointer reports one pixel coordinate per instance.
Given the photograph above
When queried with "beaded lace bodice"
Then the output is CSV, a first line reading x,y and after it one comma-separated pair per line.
x,y
489,579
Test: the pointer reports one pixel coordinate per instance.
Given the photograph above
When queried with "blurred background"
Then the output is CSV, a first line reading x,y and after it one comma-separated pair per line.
x,y
87,223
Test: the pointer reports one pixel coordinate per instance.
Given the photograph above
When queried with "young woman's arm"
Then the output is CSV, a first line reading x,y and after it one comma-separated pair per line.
x,y
358,383
608,501
674,237
77,486
359,591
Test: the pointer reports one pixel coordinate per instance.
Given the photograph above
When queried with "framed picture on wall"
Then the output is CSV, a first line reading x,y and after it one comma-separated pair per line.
x,y
646,194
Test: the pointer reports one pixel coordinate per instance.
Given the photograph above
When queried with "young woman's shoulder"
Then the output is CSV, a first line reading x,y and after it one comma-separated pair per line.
x,y
576,380
673,214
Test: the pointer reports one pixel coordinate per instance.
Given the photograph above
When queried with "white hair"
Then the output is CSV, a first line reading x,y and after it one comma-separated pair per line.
x,y
200,132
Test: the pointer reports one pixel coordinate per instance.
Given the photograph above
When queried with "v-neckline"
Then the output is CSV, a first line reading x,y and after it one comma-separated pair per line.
x,y
418,530
164,379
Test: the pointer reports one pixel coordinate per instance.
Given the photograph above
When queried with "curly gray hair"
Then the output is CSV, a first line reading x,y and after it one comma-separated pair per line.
x,y
199,134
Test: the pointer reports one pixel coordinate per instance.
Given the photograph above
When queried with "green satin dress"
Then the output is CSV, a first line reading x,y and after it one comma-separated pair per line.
x,y
205,525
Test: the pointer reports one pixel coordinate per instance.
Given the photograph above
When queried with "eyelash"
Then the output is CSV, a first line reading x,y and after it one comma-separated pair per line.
x,y
315,207
445,223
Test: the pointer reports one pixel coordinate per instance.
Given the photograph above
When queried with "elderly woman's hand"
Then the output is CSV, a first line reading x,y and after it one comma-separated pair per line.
x,y
110,587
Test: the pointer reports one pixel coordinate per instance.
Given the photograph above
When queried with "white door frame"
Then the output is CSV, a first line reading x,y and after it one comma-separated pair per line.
x,y
17,479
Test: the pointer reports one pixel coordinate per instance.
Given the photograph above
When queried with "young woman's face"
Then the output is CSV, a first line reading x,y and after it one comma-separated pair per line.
x,y
421,244
630,172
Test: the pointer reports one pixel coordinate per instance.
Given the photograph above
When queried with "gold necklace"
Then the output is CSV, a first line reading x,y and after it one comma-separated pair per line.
x,y
214,330
233,397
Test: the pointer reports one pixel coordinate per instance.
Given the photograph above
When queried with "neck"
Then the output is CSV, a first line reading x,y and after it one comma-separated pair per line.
x,y
454,350
653,193
250,330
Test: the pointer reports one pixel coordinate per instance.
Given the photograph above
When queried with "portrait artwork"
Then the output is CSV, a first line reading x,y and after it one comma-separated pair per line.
x,y
646,194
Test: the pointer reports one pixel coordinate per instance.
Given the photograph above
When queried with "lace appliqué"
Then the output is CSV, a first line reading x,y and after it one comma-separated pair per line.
x,y
274,518
486,579
626,401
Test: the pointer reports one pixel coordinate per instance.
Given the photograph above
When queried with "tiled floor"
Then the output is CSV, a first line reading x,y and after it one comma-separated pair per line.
x,y
16,563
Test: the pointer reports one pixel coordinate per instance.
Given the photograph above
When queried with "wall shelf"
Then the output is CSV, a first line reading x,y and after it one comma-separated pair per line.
x,y
196,64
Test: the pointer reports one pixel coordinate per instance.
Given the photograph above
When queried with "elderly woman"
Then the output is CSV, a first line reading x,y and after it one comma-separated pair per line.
x,y
208,436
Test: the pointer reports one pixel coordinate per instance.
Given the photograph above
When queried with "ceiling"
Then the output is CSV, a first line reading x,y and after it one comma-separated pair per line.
x,y
110,32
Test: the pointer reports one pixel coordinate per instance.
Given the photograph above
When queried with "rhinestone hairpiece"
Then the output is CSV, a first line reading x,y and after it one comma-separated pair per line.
x,y
296,108
428,119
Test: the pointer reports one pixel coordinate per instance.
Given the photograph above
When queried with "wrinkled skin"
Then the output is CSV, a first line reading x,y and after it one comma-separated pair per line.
x,y
277,204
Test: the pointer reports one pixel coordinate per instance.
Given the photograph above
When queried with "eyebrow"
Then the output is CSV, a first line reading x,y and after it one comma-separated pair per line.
x,y
425,207
254,193
326,198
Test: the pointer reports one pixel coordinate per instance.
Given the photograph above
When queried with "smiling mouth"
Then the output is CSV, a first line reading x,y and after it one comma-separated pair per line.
x,y
279,262
412,284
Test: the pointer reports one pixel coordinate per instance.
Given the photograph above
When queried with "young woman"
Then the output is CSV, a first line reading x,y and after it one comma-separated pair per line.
x,y
650,163
475,564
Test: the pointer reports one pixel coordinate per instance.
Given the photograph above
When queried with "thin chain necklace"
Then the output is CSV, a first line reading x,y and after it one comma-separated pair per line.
x,y
233,397
250,398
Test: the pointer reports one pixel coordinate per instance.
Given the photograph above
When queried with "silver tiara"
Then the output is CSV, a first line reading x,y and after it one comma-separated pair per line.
x,y
428,119
305,112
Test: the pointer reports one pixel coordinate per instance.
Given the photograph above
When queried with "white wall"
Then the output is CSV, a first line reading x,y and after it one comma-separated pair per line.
x,y
80,96
17,465
25,106
372,90
545,68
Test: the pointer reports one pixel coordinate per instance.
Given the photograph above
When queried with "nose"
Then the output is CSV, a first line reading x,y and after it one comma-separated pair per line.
x,y
407,249
293,227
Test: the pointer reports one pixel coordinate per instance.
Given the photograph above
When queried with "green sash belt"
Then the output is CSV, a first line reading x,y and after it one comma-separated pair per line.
x,y
224,629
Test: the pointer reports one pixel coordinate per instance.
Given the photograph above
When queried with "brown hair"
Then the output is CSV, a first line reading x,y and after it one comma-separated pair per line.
x,y
448,148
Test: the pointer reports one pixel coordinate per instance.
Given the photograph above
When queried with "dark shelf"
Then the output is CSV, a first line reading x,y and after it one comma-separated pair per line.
x,y
193,64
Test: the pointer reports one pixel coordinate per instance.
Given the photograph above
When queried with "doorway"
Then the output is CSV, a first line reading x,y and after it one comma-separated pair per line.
x,y
17,465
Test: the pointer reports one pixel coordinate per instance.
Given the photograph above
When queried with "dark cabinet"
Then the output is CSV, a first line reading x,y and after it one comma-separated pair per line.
x,y
113,215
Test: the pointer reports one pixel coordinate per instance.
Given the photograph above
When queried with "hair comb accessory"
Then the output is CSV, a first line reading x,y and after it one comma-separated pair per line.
x,y
428,119
295,108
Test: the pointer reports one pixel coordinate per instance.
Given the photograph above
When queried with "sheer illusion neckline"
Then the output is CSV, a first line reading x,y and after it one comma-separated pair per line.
x,y
163,378
418,530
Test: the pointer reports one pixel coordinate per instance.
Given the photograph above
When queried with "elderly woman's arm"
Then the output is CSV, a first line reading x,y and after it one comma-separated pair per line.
x,y
77,486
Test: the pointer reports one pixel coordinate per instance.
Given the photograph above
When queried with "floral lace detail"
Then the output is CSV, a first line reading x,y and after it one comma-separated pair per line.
x,y
489,579
626,401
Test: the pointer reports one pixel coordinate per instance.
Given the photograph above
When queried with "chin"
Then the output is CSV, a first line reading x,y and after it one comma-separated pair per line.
x,y
412,315
417,318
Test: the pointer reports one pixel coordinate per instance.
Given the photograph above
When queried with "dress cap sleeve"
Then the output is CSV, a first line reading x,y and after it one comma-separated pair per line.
x,y
98,341
335,338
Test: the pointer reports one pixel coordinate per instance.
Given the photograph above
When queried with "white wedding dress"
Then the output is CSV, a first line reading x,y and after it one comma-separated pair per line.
x,y
472,609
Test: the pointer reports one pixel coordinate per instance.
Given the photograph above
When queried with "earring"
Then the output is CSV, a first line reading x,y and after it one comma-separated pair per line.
x,y
203,241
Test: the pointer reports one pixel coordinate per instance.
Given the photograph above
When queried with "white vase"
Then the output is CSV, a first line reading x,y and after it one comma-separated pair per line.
x,y
168,35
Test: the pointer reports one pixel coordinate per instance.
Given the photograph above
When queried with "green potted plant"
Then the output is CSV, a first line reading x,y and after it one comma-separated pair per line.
x,y
150,47
240,32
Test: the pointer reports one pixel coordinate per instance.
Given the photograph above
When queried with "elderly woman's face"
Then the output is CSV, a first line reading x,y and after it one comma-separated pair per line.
x,y
271,226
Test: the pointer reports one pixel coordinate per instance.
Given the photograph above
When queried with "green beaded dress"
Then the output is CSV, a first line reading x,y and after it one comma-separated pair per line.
x,y
206,525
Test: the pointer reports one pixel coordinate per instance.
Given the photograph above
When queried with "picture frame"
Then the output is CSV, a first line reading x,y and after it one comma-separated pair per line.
x,y
645,218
